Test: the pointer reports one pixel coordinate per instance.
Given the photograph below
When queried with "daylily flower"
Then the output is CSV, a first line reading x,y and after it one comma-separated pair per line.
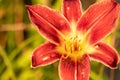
x,y
75,37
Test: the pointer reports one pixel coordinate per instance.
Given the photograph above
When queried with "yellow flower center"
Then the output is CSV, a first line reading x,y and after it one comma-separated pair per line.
x,y
73,47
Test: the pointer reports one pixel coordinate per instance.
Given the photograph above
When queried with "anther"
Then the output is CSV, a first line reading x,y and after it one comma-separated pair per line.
x,y
65,47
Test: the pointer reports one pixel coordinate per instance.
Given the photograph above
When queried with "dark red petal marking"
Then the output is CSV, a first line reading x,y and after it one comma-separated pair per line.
x,y
72,9
106,55
70,70
50,23
96,14
45,54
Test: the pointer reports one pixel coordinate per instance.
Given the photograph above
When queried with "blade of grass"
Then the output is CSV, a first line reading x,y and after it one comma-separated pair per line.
x,y
7,62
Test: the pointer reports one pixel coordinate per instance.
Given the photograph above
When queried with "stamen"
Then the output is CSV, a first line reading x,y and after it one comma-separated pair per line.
x,y
65,47
72,47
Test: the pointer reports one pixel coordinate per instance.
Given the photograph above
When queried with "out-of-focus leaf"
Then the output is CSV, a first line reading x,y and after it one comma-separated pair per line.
x,y
28,74
23,45
45,2
10,42
95,76
57,4
8,66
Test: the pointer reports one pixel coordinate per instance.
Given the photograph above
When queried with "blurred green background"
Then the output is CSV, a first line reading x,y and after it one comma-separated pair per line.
x,y
18,38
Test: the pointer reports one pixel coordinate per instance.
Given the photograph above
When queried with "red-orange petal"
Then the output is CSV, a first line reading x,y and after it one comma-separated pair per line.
x,y
99,20
51,24
72,9
106,55
70,70
104,26
45,54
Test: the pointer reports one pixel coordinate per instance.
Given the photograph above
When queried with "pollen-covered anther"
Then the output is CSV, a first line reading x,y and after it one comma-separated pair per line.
x,y
72,45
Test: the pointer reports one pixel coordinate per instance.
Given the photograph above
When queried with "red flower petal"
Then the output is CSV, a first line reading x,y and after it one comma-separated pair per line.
x,y
94,13
51,24
72,9
106,55
105,26
99,20
45,54
70,70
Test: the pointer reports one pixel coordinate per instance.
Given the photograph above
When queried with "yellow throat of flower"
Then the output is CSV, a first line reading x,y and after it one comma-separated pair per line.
x,y
73,47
